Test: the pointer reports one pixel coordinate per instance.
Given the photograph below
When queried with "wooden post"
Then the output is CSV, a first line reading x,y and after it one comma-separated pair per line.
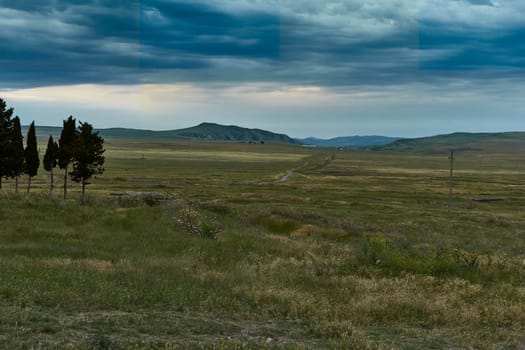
x,y
451,180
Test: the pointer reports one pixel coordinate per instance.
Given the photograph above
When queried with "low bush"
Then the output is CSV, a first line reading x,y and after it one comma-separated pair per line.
x,y
192,222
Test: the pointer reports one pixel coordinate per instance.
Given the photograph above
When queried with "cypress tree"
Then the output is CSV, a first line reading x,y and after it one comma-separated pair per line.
x,y
51,159
89,157
32,159
6,125
66,144
16,153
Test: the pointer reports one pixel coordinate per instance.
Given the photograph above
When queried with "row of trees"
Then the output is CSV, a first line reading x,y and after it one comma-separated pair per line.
x,y
82,147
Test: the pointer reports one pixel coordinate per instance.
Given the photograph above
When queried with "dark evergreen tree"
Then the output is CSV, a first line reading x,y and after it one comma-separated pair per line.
x,y
31,153
51,159
66,143
6,125
88,159
16,152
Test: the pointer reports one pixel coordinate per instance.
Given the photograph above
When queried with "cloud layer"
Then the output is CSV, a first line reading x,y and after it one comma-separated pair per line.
x,y
405,65
301,42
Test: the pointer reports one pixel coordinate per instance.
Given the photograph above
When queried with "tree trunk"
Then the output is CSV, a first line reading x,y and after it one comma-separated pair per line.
x,y
16,184
65,183
29,184
51,188
83,189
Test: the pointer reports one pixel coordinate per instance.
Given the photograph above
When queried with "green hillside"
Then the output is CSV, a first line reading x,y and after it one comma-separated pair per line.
x,y
493,142
203,131
212,131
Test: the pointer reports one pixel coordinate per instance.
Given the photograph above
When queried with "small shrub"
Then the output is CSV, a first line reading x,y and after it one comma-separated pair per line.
x,y
195,224
374,248
190,221
210,230
465,259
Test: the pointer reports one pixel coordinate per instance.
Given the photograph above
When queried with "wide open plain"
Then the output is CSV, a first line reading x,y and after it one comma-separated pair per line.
x,y
355,249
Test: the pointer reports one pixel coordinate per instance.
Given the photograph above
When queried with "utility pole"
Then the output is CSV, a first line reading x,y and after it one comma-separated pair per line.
x,y
451,180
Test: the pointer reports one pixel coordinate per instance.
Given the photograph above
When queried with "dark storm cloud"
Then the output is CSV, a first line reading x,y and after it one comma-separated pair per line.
x,y
64,42
472,50
333,43
201,33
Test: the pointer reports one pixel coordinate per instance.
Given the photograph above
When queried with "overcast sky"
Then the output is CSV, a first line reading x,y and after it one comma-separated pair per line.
x,y
301,67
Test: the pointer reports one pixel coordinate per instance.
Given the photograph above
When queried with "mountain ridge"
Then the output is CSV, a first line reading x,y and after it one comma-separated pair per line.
x,y
214,131
510,141
459,141
203,131
356,141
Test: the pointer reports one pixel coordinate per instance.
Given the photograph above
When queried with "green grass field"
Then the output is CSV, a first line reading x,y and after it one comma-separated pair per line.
x,y
355,250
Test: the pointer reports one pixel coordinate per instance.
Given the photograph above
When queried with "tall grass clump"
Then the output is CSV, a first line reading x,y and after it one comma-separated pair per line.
x,y
396,257
196,224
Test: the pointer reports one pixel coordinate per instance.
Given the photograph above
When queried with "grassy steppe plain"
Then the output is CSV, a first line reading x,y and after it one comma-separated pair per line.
x,y
355,250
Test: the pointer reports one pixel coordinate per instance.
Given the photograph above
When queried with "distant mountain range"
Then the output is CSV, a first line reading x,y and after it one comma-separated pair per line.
x,y
217,132
510,142
504,142
350,141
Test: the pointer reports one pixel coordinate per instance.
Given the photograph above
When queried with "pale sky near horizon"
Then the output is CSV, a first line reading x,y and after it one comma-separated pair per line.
x,y
302,67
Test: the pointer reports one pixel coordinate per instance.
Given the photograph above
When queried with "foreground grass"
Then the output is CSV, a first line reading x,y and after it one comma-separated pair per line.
x,y
355,250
